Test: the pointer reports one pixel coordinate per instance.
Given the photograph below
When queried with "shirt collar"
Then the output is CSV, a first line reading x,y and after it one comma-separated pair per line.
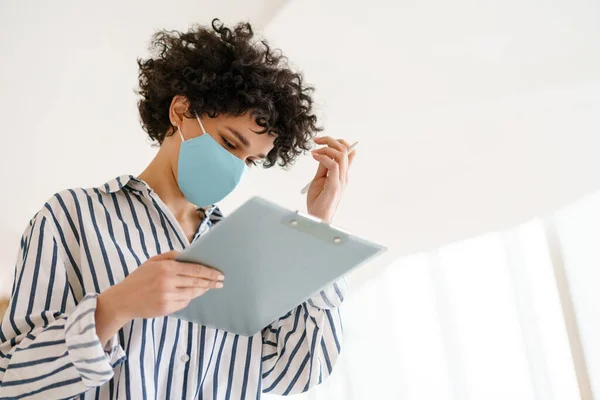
x,y
114,185
141,187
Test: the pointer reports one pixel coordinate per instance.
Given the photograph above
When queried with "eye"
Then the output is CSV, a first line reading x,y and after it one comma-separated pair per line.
x,y
255,163
228,144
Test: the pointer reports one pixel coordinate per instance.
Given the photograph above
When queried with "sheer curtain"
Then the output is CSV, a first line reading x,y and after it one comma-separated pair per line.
x,y
477,319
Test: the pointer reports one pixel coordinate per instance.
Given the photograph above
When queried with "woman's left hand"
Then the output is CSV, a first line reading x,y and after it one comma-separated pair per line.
x,y
328,185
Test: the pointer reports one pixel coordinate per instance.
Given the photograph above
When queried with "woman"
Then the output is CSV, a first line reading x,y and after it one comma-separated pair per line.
x,y
97,276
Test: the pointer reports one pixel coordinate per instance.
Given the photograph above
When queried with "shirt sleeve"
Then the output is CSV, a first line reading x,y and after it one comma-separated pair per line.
x,y
301,348
48,342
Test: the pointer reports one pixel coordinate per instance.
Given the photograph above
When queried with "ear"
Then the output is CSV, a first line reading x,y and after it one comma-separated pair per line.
x,y
178,109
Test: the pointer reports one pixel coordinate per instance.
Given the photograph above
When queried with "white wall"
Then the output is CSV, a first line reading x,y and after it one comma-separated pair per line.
x,y
578,228
472,116
67,106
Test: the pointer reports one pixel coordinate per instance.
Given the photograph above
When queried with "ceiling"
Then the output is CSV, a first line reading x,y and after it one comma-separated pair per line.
x,y
471,116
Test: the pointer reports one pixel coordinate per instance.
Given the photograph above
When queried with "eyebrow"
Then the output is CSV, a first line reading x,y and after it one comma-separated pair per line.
x,y
243,140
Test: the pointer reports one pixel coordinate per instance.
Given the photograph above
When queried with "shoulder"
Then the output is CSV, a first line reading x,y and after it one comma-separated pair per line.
x,y
67,207
58,211
64,203
73,200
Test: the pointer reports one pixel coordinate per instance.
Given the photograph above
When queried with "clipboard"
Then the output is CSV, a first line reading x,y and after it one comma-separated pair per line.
x,y
273,260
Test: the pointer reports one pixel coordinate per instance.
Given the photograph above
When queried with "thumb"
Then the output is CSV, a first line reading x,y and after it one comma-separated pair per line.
x,y
165,256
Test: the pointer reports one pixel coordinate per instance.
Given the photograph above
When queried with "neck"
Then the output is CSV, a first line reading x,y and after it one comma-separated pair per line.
x,y
161,178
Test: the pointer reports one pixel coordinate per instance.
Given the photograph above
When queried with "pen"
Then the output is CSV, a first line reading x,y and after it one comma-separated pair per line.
x,y
305,188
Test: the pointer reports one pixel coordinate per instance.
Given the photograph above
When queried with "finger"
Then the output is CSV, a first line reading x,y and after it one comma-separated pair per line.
x,y
199,271
321,173
165,256
342,141
181,281
341,146
337,155
331,142
341,157
348,145
332,166
189,293
351,158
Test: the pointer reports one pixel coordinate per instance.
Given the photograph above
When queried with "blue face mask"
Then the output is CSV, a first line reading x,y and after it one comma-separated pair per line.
x,y
207,172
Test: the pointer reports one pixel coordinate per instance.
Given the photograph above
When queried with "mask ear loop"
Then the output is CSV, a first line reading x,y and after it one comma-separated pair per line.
x,y
180,134
201,126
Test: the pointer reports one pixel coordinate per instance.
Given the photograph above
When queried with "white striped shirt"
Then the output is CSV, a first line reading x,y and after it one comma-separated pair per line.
x,y
86,240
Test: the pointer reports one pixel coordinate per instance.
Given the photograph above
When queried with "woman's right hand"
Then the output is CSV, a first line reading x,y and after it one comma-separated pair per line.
x,y
159,287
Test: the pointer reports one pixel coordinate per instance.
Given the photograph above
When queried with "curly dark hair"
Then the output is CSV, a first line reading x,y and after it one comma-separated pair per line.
x,y
226,71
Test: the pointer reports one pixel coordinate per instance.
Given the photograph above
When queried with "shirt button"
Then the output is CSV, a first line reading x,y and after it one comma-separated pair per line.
x,y
185,358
